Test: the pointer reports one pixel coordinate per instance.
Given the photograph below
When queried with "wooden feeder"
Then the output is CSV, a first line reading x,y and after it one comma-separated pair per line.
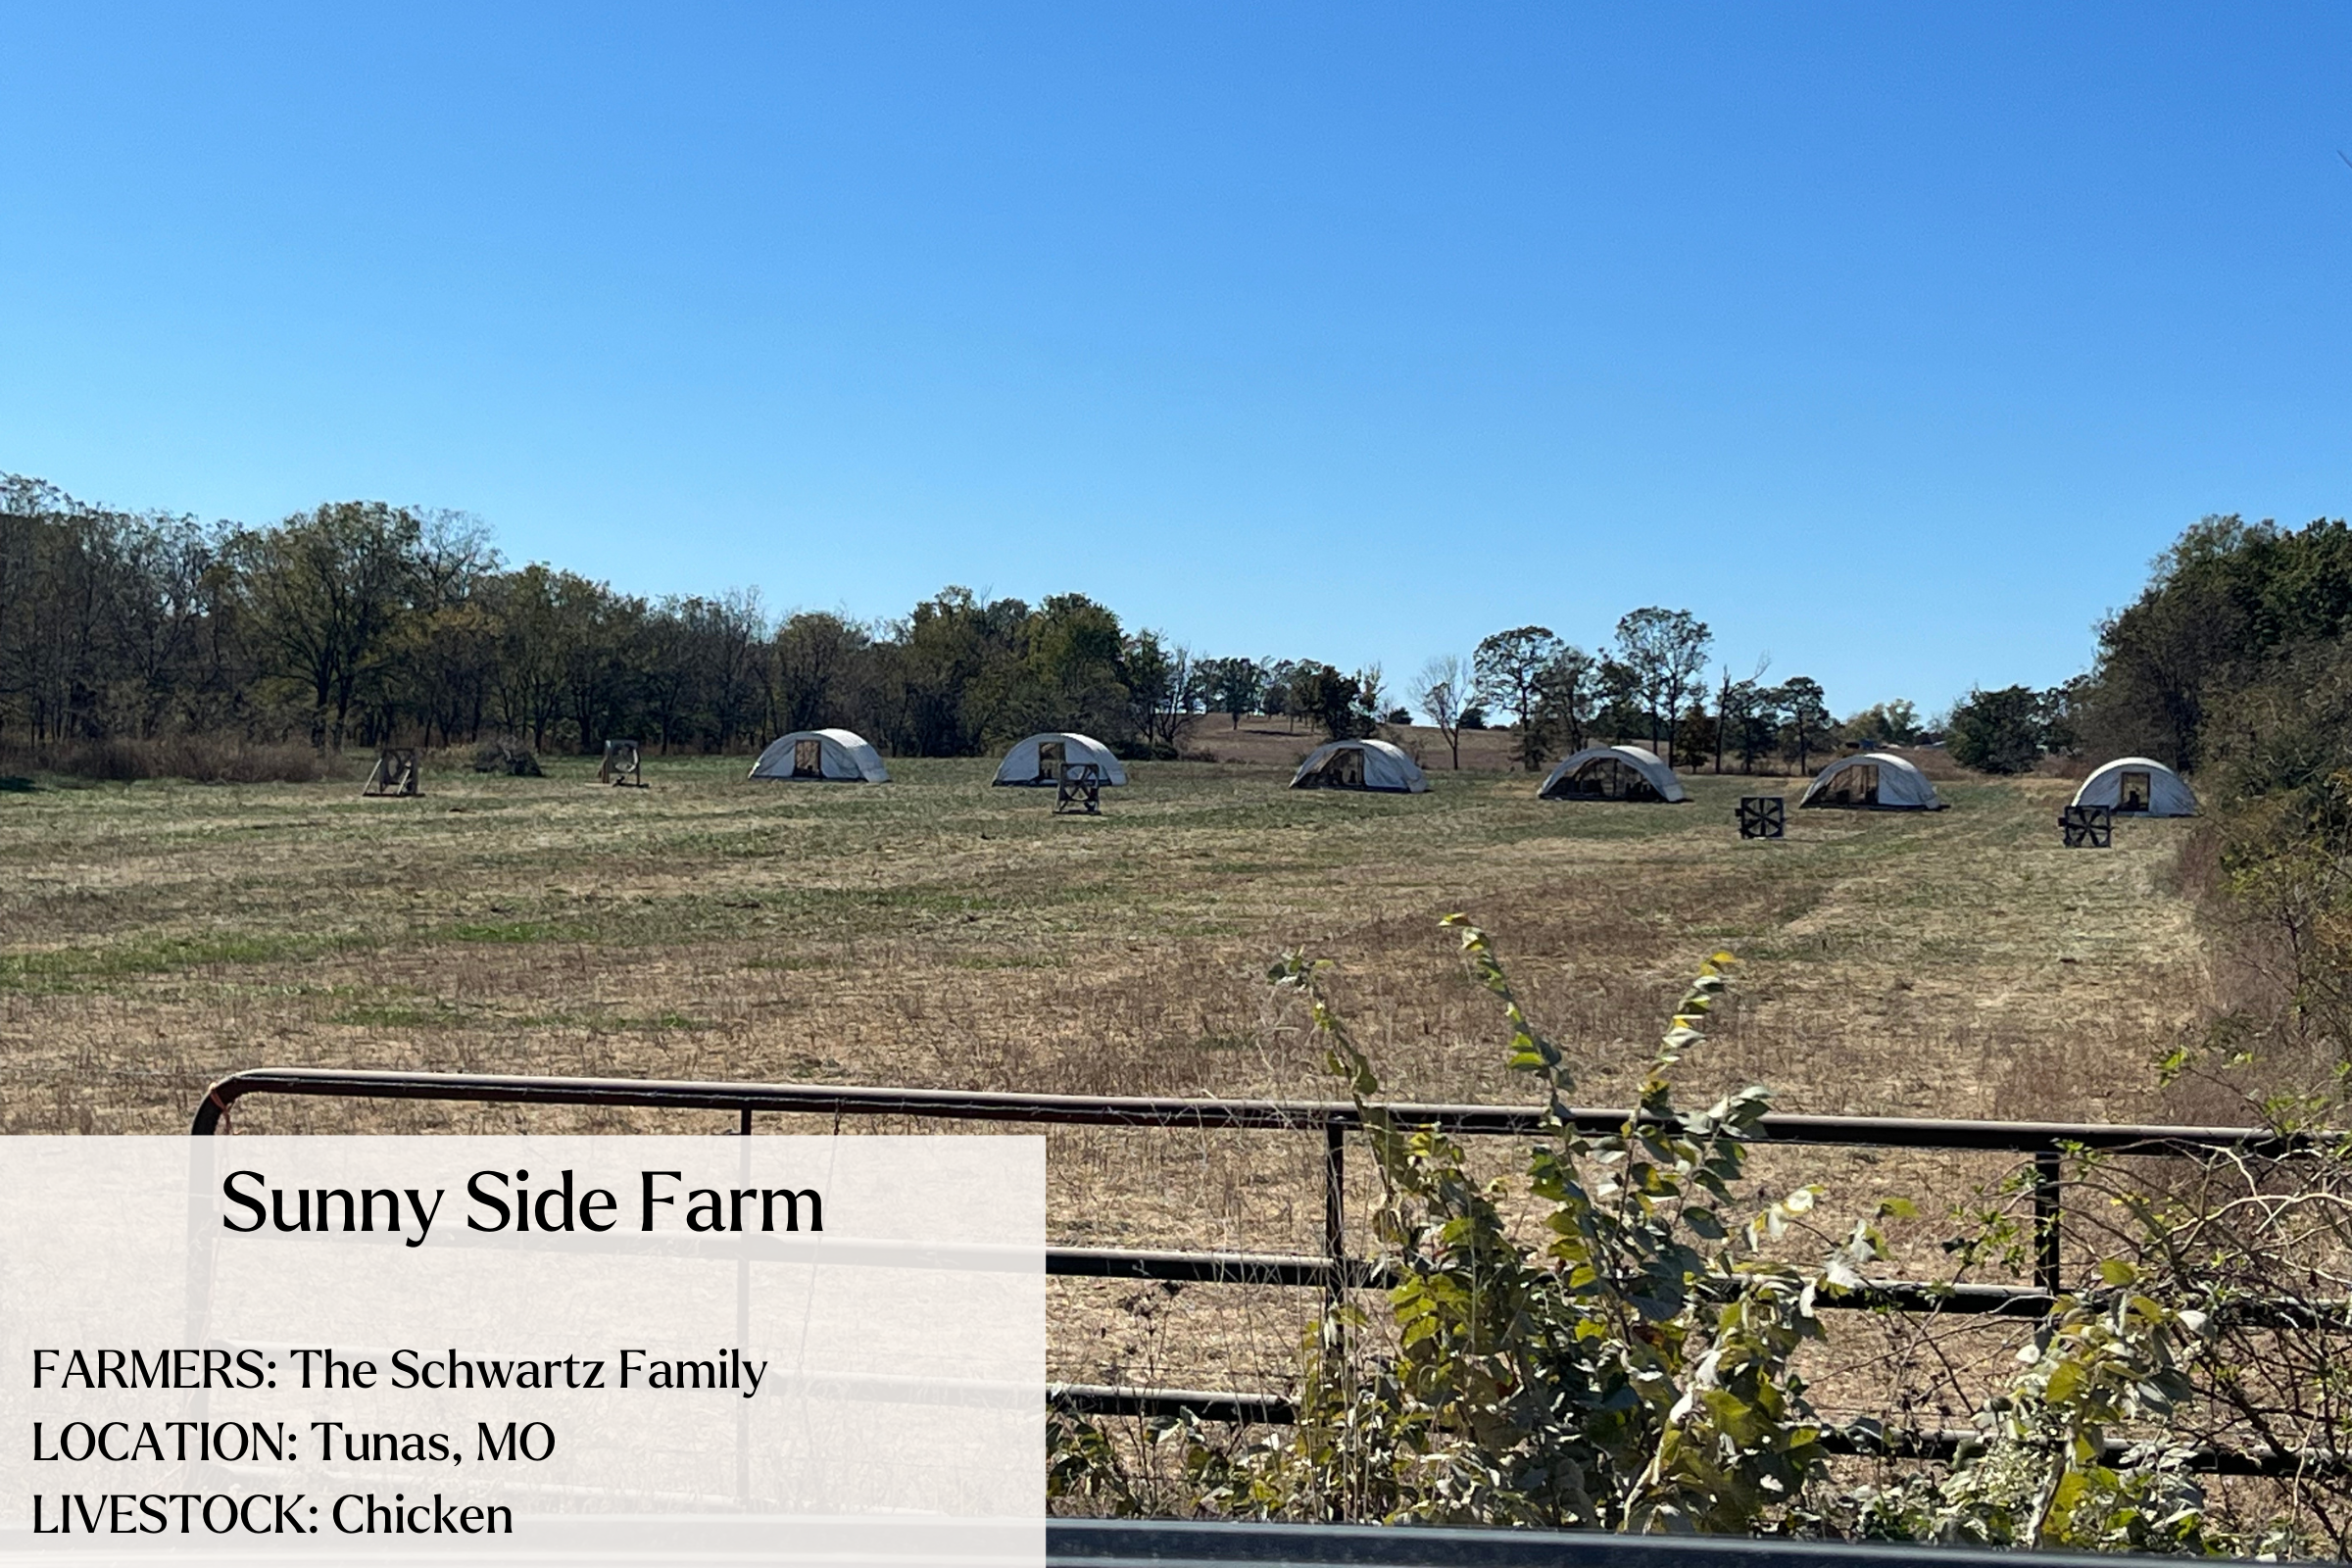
x,y
1078,788
396,772
620,766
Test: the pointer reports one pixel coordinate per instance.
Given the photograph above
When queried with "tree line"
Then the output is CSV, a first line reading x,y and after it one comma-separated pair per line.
x,y
1649,682
359,623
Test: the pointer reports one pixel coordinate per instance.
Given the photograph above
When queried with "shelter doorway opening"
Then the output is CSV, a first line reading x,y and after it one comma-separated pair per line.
x,y
1855,786
1342,770
809,759
2133,790
1049,760
1605,779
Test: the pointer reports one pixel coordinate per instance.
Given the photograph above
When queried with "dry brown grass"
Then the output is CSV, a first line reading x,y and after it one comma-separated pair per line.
x,y
935,931
205,758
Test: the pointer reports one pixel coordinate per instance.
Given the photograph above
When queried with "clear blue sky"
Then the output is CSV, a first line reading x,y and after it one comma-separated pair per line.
x,y
1893,340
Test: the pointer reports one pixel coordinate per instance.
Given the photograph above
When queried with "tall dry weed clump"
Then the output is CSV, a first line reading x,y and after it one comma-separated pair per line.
x,y
2271,873
202,759
1612,1339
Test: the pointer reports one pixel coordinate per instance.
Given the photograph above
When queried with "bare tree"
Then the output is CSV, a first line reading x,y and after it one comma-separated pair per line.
x,y
1442,691
1725,711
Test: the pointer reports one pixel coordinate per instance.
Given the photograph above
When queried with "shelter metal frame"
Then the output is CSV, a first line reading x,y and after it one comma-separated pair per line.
x,y
1336,1271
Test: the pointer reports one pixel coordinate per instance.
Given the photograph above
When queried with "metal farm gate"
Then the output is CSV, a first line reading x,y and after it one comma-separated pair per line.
x,y
1336,1269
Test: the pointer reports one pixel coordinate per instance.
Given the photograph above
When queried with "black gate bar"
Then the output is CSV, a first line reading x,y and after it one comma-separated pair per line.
x,y
2047,1142
1336,1271
1861,1441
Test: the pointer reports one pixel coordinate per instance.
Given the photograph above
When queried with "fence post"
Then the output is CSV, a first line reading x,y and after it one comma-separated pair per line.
x,y
2049,1270
1335,1209
743,1331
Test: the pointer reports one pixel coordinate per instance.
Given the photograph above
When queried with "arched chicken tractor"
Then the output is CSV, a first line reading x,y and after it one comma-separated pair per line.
x,y
1872,781
2138,786
1373,765
825,756
1613,773
1040,761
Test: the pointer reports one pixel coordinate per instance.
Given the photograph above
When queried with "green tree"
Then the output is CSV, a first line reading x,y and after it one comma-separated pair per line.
x,y
1804,716
1890,723
1234,686
1163,685
2228,602
1997,731
527,685
1621,714
1507,671
1371,699
325,593
1280,698
949,670
1696,737
599,633
824,672
1567,691
1748,719
1662,652
2062,715
728,639
1330,699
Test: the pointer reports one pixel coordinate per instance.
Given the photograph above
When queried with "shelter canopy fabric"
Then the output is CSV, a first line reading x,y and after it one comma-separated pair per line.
x,y
2138,786
1359,765
836,754
1874,781
1040,758
1612,773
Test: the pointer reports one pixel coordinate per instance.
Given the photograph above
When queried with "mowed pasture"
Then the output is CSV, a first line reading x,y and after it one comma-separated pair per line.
x,y
937,932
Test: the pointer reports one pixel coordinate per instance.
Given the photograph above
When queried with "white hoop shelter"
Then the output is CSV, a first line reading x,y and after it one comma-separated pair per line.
x,y
1613,773
1040,760
834,756
2138,786
1872,781
1359,765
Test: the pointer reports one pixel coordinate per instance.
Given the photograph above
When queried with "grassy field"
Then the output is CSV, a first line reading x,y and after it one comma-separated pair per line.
x,y
937,932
